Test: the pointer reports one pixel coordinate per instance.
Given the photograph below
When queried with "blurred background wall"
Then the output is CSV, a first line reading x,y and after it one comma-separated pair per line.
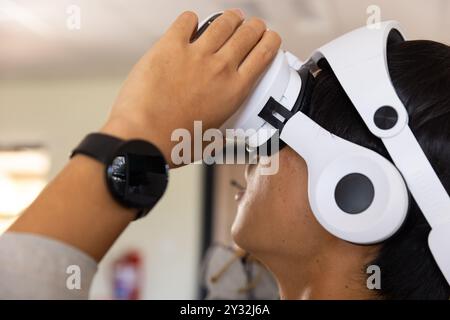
x,y
60,75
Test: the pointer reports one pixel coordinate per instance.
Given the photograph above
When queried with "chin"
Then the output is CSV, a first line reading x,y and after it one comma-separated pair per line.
x,y
241,232
238,234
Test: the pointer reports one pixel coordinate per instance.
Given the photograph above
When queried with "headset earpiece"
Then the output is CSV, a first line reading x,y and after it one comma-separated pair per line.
x,y
355,193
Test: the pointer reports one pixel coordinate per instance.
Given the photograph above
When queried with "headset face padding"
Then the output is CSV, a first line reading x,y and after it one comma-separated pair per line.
x,y
355,193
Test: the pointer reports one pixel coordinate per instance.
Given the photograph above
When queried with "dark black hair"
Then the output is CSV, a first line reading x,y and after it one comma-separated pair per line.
x,y
420,72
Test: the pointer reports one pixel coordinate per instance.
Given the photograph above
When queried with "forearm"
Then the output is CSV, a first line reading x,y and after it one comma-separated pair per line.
x,y
76,208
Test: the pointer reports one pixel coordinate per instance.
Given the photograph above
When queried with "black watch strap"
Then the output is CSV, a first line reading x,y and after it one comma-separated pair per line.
x,y
98,146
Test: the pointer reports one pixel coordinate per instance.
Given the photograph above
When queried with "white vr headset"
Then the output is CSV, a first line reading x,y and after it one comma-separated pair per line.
x,y
355,193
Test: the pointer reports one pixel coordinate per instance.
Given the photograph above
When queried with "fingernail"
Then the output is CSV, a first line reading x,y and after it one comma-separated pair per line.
x,y
239,12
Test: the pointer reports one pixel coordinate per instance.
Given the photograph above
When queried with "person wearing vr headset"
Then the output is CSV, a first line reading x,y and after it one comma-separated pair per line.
x,y
275,221
337,204
330,218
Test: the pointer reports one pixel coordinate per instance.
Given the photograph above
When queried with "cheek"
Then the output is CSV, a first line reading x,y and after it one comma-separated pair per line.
x,y
251,206
256,213
274,206
260,197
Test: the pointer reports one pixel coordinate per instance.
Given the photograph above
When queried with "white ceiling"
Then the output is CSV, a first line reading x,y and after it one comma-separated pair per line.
x,y
35,42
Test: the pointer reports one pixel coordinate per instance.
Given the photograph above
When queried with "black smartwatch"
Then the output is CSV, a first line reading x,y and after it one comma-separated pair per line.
x,y
136,172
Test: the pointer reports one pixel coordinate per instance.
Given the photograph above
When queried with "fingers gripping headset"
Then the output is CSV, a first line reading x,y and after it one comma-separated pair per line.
x,y
355,193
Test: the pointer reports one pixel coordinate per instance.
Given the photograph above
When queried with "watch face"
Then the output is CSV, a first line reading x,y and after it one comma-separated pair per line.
x,y
137,174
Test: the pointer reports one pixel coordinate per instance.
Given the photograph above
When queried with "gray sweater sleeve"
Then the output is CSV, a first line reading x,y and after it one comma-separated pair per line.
x,y
35,267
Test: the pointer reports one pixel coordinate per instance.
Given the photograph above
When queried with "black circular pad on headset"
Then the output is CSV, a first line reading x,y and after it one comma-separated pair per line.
x,y
386,118
354,193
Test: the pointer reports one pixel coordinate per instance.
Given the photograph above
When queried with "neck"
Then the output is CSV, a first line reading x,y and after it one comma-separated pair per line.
x,y
338,274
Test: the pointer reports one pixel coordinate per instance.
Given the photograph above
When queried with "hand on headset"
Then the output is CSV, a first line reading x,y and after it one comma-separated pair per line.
x,y
180,81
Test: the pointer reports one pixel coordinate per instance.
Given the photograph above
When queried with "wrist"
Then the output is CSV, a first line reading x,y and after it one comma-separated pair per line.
x,y
127,129
135,170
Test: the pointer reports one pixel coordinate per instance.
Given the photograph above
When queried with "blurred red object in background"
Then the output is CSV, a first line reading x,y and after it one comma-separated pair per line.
x,y
127,272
